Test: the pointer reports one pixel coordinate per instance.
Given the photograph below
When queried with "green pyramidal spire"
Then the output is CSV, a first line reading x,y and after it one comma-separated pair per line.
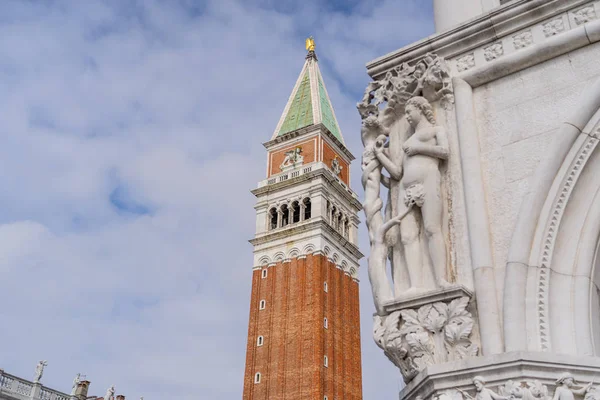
x,y
309,103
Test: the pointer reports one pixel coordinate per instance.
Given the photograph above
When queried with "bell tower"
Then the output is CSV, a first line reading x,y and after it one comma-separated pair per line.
x,y
304,329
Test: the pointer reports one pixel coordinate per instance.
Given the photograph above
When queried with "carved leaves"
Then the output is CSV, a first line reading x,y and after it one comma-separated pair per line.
x,y
434,333
458,330
385,98
388,337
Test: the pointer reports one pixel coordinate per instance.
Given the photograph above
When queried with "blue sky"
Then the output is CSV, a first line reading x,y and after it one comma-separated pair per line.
x,y
132,133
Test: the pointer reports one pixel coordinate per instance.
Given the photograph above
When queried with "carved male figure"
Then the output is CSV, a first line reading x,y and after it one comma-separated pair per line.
x,y
420,189
564,388
39,370
484,393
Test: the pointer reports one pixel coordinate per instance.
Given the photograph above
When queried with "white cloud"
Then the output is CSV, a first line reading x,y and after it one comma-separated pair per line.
x,y
166,103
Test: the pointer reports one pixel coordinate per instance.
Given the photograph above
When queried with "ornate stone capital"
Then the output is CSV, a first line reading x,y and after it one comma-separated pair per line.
x,y
414,338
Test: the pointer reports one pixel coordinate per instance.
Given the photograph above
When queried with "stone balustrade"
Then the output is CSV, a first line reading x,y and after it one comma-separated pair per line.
x,y
15,388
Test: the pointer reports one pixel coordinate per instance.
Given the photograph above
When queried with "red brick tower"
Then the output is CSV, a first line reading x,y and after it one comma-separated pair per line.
x,y
304,331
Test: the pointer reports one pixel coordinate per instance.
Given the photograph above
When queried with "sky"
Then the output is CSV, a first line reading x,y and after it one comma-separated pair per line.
x,y
131,136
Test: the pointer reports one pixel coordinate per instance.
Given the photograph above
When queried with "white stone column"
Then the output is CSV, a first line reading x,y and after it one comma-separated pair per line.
x,y
449,13
477,220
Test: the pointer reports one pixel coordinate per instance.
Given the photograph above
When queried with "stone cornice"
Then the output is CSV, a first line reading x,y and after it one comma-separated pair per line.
x,y
305,132
345,192
295,229
487,28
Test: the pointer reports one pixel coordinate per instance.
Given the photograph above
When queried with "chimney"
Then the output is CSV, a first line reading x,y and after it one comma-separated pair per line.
x,y
81,391
120,397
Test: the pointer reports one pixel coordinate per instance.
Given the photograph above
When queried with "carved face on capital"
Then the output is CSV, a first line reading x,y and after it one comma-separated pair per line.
x,y
413,115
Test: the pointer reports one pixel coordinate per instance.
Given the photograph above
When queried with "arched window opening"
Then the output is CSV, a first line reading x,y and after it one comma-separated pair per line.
x,y
273,218
325,361
285,215
264,273
325,287
262,305
257,377
325,322
307,208
260,341
295,212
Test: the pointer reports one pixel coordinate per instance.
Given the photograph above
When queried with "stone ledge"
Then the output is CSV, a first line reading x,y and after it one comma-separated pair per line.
x,y
497,369
485,29
431,296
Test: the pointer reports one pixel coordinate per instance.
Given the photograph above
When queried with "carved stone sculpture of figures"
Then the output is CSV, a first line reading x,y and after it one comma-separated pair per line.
x,y
110,393
420,189
292,159
336,166
484,393
402,139
525,390
39,371
564,388
76,382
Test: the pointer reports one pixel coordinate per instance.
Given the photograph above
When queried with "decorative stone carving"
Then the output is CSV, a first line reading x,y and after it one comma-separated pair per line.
x,y
565,387
435,333
550,235
554,27
39,371
336,166
493,51
484,393
400,134
525,390
522,40
584,15
293,159
465,62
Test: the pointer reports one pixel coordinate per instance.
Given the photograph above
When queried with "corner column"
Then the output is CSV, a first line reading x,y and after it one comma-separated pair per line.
x,y
477,220
449,13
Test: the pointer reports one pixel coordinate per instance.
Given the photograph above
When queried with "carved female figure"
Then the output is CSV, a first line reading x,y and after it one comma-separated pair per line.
x,y
420,189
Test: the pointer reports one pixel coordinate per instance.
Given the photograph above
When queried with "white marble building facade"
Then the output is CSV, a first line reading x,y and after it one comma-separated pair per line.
x,y
510,124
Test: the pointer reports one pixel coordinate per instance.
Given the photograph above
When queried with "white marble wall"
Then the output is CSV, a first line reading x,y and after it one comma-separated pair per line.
x,y
517,117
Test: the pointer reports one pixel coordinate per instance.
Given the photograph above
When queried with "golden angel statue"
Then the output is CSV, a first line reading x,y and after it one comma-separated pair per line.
x,y
310,44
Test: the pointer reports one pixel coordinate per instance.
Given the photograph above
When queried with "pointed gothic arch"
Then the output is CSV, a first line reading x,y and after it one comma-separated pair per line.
x,y
551,291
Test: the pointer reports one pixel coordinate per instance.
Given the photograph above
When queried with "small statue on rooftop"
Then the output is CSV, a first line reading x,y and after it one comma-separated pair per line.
x,y
110,393
39,371
76,382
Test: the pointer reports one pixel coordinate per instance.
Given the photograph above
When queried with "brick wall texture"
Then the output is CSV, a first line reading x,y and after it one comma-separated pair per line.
x,y
328,155
291,359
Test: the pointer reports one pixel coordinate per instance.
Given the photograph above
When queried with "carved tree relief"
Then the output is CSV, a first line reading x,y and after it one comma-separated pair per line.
x,y
403,150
